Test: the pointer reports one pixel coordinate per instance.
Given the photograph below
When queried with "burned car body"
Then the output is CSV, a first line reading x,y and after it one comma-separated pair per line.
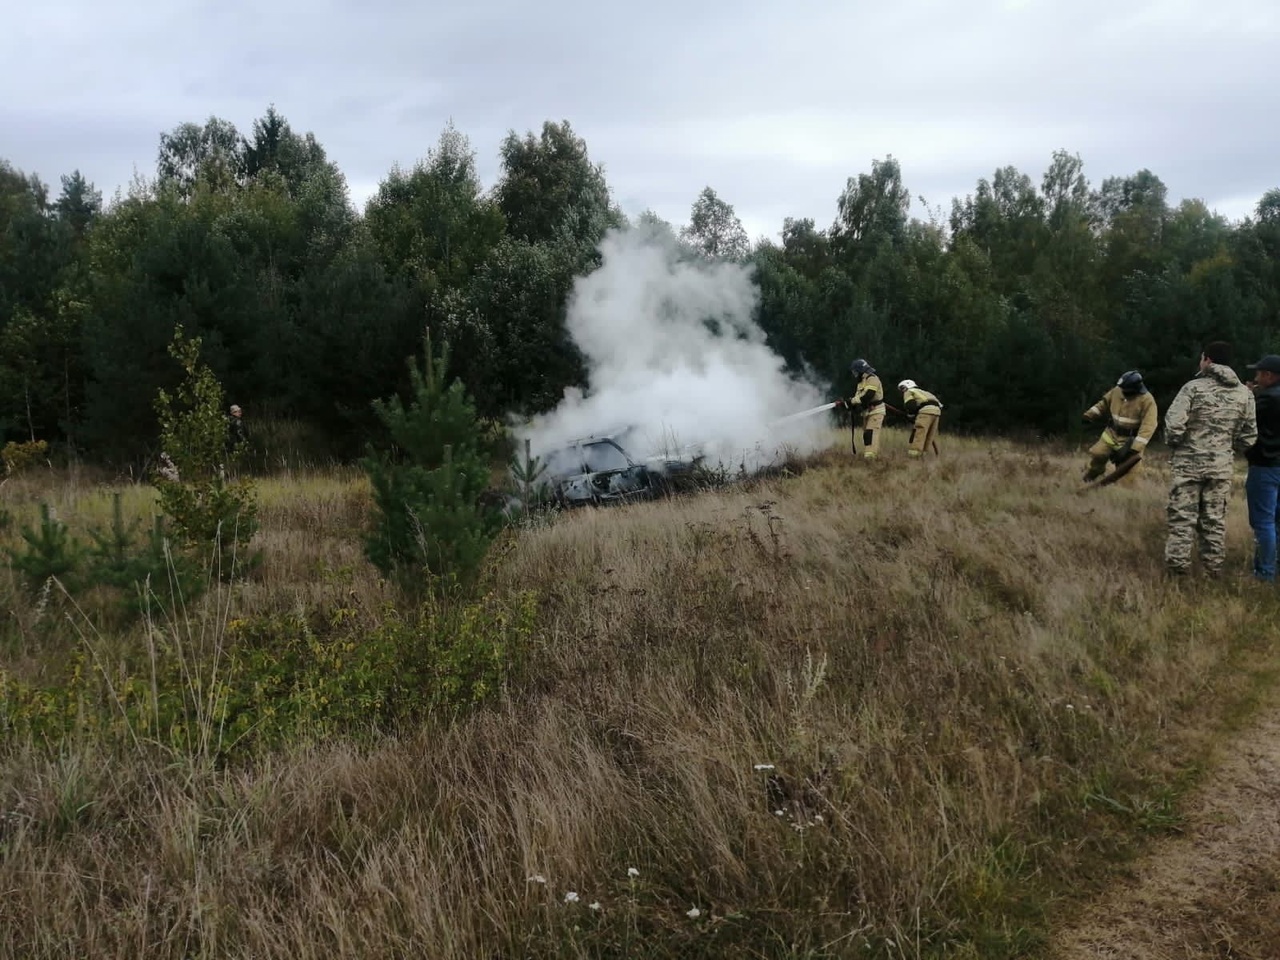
x,y
599,470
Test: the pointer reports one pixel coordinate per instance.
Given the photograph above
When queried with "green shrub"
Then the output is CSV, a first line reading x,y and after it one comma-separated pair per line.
x,y
18,456
294,677
146,574
50,551
208,508
275,678
430,528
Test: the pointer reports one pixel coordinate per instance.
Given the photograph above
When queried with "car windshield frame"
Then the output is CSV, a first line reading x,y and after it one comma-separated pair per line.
x,y
602,456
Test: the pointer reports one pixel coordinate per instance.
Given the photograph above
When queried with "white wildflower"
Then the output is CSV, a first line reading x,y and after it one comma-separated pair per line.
x,y
779,813
536,878
693,914
571,897
764,766
632,872
594,906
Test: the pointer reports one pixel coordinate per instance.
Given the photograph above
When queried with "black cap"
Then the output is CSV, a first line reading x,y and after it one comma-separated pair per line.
x,y
1269,363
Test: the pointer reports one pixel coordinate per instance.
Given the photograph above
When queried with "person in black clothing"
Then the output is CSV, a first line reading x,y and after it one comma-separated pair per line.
x,y
237,442
235,427
1262,487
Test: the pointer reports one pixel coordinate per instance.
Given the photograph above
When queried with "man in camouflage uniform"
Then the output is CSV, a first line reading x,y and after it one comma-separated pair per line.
x,y
1211,415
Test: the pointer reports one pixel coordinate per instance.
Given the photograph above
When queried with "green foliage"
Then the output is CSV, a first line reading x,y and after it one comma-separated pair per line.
x,y
715,230
507,329
434,225
207,509
429,528
527,471
273,679
328,678
39,355
551,192
128,574
19,456
306,309
50,552
146,574
872,210
208,153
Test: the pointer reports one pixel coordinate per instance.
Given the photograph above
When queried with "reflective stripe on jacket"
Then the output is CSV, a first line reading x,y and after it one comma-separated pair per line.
x,y
868,393
1128,418
915,400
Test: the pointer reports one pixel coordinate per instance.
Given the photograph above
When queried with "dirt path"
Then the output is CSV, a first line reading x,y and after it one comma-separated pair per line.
x,y
1214,890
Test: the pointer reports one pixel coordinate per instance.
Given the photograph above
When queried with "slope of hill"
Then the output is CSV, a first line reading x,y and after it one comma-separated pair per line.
x,y
875,710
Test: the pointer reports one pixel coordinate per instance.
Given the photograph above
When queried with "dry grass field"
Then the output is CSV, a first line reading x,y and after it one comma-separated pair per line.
x,y
898,709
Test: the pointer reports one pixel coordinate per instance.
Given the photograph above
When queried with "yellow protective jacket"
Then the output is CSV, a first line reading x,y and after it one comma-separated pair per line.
x,y
868,394
914,400
1128,418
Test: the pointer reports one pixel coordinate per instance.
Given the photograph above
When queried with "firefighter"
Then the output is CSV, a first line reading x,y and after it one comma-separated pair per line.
x,y
1131,418
867,403
925,411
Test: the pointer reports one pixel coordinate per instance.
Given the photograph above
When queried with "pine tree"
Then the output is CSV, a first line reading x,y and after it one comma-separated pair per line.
x,y
429,528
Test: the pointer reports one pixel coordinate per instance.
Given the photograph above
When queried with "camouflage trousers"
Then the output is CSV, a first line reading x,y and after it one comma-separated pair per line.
x,y
1197,512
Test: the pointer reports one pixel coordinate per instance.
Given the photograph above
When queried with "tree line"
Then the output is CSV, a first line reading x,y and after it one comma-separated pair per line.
x,y
1018,308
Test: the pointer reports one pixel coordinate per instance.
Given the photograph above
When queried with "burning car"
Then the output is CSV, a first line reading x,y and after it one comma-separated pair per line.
x,y
599,470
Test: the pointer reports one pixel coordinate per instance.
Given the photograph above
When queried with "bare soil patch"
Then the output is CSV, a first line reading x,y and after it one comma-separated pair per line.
x,y
1213,890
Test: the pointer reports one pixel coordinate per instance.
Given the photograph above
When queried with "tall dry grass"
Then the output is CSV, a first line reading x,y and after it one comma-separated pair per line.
x,y
872,710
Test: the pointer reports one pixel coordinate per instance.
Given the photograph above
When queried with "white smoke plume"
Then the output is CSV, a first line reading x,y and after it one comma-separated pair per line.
x,y
675,361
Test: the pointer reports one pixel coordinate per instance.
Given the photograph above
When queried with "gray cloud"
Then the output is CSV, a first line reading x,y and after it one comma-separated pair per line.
x,y
773,105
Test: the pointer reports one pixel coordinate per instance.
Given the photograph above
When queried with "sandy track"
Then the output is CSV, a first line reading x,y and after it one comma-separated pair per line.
x,y
1213,890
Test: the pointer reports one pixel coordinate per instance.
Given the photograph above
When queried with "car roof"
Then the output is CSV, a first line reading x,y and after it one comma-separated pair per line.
x,y
598,438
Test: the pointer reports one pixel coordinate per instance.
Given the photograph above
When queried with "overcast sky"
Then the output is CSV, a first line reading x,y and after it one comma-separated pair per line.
x,y
774,104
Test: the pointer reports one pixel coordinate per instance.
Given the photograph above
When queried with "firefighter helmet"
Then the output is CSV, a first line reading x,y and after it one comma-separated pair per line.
x,y
1130,383
907,385
860,368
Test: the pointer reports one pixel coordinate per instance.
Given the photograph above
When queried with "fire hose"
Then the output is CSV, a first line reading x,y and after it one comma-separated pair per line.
x,y
840,403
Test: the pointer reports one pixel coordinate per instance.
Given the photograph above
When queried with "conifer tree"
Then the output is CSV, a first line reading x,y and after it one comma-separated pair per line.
x,y
429,527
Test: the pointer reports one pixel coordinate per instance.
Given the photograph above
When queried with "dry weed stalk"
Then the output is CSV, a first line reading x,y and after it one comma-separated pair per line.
x,y
873,710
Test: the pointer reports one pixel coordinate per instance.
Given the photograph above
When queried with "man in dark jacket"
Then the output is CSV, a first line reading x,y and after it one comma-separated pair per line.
x,y
235,427
1262,488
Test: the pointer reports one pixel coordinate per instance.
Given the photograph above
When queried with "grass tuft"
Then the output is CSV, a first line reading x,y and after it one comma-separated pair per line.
x,y
878,710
